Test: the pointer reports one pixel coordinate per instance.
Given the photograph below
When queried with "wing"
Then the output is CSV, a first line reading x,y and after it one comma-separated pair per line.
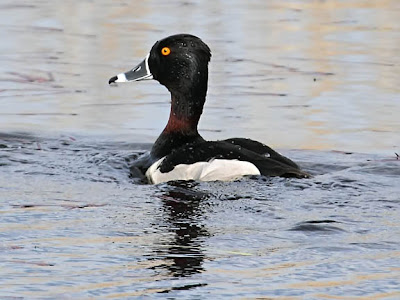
x,y
262,150
206,151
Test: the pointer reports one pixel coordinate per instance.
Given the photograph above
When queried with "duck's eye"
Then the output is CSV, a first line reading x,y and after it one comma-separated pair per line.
x,y
165,51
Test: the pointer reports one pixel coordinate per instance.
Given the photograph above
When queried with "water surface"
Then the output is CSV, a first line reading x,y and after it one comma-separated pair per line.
x,y
320,77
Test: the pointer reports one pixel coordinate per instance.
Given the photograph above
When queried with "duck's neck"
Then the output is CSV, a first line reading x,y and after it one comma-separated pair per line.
x,y
185,113
186,109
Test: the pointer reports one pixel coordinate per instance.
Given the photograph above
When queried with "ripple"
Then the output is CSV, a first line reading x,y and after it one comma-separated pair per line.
x,y
317,226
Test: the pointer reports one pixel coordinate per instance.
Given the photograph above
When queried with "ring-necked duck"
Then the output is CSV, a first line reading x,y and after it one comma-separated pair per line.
x,y
180,63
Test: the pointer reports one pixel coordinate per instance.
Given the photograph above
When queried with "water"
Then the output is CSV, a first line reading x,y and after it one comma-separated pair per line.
x,y
317,76
73,224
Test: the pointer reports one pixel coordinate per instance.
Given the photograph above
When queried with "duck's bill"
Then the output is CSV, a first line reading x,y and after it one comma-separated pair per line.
x,y
140,72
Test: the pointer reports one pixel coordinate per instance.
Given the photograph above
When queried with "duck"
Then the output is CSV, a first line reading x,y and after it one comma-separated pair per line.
x,y
180,63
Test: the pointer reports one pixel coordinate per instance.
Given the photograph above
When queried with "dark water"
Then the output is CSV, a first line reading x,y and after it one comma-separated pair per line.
x,y
315,75
73,224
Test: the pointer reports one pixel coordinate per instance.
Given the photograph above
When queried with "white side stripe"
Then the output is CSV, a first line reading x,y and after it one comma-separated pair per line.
x,y
217,169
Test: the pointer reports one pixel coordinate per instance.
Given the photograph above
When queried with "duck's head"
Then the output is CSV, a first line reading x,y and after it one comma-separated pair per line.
x,y
179,62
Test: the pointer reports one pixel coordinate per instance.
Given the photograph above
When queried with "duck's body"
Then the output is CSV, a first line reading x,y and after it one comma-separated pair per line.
x,y
180,62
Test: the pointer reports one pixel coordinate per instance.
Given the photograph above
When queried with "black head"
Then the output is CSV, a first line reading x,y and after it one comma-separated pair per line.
x,y
180,62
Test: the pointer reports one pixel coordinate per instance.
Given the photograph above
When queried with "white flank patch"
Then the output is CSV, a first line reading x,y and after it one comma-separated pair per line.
x,y
217,169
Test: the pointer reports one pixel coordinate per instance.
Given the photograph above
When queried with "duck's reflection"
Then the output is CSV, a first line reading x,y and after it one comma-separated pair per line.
x,y
182,205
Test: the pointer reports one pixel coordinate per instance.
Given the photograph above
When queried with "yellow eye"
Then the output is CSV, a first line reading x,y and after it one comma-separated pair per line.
x,y
165,51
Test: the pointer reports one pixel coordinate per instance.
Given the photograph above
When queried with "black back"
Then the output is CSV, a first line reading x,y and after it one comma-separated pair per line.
x,y
274,165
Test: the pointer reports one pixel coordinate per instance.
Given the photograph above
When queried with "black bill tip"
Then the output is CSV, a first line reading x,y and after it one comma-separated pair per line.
x,y
112,79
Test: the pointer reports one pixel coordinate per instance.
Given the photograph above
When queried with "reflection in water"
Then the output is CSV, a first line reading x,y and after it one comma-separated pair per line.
x,y
182,205
294,74
83,234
